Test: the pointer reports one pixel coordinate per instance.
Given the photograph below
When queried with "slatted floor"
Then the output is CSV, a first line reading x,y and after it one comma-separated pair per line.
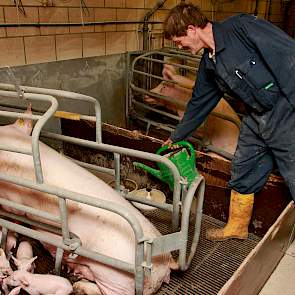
x,y
214,262
212,266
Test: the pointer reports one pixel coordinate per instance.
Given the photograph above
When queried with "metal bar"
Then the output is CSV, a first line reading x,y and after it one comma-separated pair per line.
x,y
139,273
58,259
57,242
36,135
151,122
184,260
29,210
183,55
56,115
140,104
39,124
154,76
127,93
4,238
93,167
165,206
148,263
65,94
169,63
167,243
18,115
64,218
33,233
117,149
16,149
117,172
47,227
171,100
175,52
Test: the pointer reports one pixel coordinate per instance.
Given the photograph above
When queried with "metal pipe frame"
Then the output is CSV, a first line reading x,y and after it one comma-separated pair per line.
x,y
179,240
198,185
164,52
41,121
168,52
133,153
69,242
64,94
63,195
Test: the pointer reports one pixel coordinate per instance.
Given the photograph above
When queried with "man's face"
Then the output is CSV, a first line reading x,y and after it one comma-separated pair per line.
x,y
191,41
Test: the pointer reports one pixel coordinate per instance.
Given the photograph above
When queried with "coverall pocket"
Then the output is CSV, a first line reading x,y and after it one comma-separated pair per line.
x,y
265,97
255,85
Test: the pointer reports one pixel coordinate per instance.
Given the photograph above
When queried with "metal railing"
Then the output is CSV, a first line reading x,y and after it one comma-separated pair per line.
x,y
141,71
71,242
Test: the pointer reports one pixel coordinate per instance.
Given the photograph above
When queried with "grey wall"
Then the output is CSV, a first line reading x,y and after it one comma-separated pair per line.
x,y
100,77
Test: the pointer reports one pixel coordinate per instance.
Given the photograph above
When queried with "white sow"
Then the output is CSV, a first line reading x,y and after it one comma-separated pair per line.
x,y
99,230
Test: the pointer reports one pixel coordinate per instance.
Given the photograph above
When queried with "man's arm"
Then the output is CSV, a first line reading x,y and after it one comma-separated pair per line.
x,y
205,97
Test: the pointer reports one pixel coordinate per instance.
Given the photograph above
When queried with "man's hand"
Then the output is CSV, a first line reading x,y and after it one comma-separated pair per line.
x,y
168,142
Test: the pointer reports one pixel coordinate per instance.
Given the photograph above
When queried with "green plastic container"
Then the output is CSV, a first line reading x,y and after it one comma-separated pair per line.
x,y
183,157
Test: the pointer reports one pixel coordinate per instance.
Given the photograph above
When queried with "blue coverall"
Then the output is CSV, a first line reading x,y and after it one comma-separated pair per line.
x,y
255,62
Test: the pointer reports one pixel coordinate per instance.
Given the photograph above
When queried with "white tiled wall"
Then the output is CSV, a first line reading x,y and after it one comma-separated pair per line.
x,y
33,44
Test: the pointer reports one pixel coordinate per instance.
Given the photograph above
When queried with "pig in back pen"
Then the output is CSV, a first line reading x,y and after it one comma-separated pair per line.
x,y
168,96
176,240
206,265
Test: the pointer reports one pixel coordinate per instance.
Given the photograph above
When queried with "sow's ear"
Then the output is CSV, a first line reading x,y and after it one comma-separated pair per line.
x,y
25,125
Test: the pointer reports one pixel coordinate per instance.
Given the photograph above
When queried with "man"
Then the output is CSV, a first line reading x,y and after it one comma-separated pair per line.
x,y
252,60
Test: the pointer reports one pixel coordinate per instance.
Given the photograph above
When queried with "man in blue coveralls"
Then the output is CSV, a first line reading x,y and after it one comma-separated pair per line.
x,y
252,60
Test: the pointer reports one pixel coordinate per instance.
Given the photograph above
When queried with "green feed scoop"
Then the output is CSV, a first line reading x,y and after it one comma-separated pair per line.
x,y
182,154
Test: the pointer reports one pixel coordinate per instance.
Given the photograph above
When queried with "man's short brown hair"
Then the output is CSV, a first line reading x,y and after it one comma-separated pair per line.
x,y
180,17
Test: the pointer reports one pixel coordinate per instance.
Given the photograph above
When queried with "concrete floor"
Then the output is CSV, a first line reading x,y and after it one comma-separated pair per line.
x,y
282,280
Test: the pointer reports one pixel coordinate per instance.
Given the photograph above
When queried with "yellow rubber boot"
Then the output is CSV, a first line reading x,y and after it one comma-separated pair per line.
x,y
240,212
